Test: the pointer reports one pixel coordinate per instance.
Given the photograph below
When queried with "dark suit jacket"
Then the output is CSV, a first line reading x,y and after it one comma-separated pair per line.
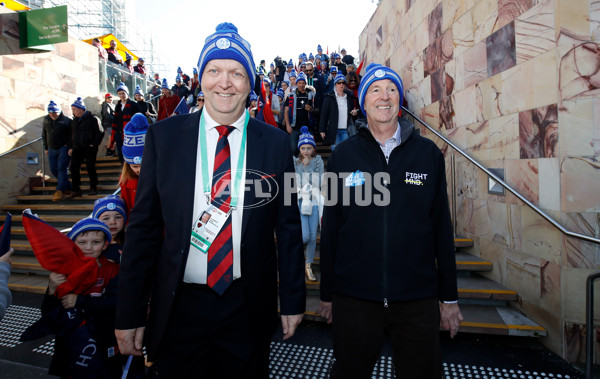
x,y
158,234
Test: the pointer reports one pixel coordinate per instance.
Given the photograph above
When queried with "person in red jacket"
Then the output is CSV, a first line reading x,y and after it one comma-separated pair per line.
x,y
133,147
168,102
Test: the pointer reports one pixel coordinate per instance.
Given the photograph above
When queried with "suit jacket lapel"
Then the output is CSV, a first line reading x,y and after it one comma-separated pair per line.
x,y
254,159
187,150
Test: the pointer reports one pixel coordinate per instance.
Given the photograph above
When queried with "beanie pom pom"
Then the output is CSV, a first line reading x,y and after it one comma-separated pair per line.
x,y
304,129
138,123
226,26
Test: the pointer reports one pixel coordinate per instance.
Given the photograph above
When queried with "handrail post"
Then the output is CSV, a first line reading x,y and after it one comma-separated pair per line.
x,y
589,325
43,165
453,171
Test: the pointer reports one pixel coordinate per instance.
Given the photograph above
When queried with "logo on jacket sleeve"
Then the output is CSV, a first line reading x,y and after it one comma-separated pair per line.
x,y
415,179
355,179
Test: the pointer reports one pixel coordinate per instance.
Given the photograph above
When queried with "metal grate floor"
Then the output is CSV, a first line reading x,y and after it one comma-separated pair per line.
x,y
286,361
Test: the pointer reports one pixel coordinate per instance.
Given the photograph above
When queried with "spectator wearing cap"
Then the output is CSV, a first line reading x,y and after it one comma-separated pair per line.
x,y
124,110
337,61
346,58
107,115
222,318
180,88
113,54
56,135
128,62
324,57
402,249
167,103
288,69
316,81
299,106
199,103
102,53
195,87
144,107
139,67
338,114
330,83
311,58
87,134
185,78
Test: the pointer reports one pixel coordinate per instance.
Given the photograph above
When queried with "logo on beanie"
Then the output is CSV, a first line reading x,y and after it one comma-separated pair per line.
x,y
223,43
137,160
111,206
379,74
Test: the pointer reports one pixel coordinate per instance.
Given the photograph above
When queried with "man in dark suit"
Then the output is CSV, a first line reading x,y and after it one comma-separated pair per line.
x,y
207,322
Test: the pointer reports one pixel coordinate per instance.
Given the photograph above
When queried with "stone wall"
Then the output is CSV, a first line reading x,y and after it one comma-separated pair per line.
x,y
515,83
29,79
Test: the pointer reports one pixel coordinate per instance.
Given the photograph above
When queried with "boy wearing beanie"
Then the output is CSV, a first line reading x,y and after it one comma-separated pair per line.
x,y
56,134
95,305
124,110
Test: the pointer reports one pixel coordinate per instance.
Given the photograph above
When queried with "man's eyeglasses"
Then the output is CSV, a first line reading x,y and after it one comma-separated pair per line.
x,y
351,81
344,83
201,100
311,70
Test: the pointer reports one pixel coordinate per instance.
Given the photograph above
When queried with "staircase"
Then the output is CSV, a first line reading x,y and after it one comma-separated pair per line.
x,y
484,303
26,273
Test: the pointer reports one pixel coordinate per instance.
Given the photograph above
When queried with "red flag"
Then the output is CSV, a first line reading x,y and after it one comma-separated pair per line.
x,y
57,253
5,235
264,112
359,67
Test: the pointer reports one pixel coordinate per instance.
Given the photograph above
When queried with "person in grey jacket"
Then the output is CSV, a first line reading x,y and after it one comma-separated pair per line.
x,y
5,295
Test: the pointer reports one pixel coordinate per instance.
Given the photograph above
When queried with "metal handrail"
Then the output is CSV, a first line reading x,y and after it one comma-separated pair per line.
x,y
20,147
503,183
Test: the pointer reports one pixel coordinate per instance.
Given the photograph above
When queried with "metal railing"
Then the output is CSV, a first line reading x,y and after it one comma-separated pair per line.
x,y
42,154
590,279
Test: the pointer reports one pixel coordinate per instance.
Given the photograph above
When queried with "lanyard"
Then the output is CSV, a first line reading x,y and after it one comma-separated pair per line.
x,y
234,185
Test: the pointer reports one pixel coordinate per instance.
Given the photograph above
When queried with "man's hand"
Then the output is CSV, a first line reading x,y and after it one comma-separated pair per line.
x,y
70,152
325,311
69,300
289,324
130,340
450,318
323,135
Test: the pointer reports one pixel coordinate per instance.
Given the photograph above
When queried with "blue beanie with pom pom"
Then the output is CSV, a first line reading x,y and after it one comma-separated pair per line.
x,y
134,138
306,138
226,43
374,73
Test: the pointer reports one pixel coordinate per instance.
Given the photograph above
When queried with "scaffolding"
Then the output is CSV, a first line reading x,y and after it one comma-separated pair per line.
x,y
92,18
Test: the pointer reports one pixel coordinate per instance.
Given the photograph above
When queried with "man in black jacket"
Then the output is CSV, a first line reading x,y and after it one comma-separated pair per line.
x,y
387,258
56,134
87,135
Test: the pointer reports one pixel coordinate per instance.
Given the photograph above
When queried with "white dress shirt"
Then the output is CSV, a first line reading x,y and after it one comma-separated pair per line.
x,y
197,262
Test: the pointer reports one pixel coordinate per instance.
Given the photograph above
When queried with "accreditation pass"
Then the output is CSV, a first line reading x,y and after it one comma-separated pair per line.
x,y
207,227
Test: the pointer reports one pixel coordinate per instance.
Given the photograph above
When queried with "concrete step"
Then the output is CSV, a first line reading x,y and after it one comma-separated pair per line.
x,y
468,262
28,283
58,221
477,319
85,180
462,242
27,264
62,208
101,188
103,171
34,200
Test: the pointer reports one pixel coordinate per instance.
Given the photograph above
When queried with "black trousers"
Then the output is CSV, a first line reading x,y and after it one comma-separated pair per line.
x,y
209,336
78,156
119,145
359,327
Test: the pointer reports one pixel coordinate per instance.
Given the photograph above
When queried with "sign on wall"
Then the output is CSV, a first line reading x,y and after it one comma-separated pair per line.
x,y
43,27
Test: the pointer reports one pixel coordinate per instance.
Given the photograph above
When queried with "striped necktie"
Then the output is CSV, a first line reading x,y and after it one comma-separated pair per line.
x,y
220,253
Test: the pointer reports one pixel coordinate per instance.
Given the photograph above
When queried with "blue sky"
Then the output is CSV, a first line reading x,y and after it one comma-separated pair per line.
x,y
273,27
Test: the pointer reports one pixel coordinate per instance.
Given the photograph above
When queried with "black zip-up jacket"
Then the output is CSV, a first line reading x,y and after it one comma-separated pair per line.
x,y
87,131
56,134
330,115
402,250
